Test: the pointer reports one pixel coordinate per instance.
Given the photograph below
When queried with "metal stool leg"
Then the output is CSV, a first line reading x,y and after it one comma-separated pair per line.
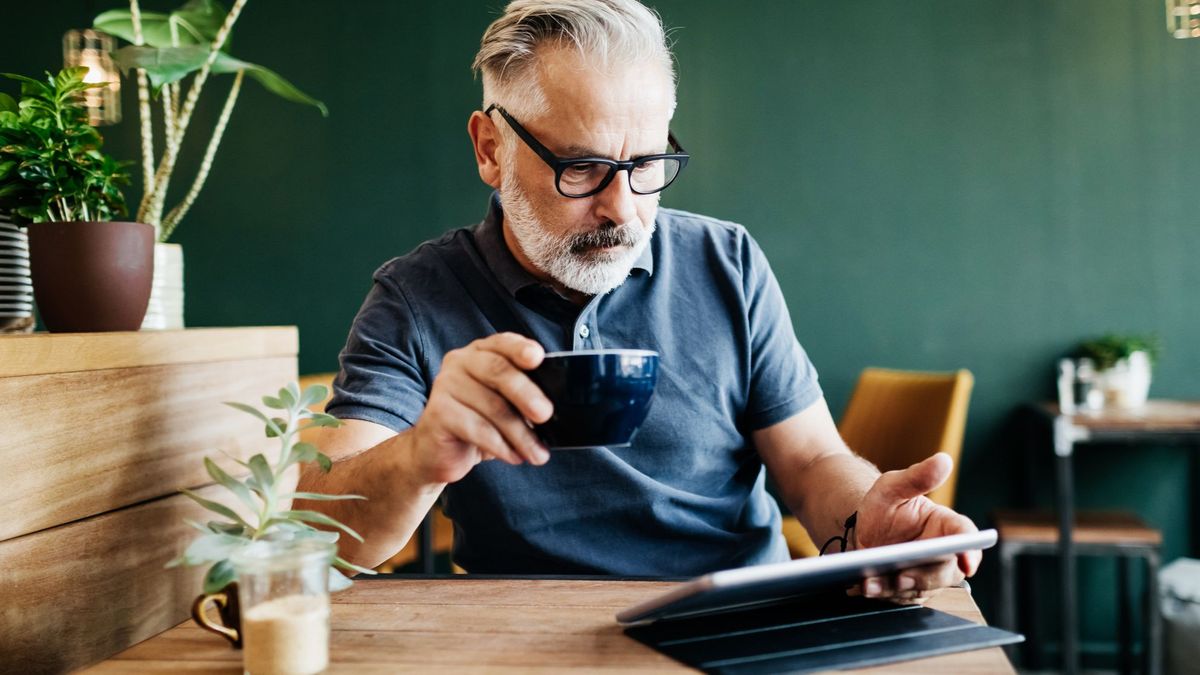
x,y
1154,627
1124,617
1008,594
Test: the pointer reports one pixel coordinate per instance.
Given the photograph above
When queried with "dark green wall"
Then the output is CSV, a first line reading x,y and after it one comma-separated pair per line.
x,y
938,184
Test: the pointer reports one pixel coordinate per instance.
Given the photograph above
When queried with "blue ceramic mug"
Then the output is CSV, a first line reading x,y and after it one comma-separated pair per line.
x,y
600,396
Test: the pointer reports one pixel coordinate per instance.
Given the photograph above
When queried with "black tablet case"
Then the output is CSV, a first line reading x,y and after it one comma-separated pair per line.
x,y
824,631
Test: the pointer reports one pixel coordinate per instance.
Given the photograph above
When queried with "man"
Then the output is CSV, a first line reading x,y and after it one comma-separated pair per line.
x,y
573,135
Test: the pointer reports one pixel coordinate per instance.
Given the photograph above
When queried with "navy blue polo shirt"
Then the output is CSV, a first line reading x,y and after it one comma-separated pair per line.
x,y
688,496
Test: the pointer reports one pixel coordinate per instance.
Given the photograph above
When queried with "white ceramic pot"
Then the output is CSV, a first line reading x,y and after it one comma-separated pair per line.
x,y
1127,383
165,310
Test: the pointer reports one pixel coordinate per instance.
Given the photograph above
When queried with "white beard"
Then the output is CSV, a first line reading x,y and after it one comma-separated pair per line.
x,y
572,260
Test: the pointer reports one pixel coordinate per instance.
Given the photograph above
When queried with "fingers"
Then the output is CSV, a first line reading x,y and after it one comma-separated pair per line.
x,y
478,407
913,581
900,597
968,561
469,427
525,353
498,362
918,479
497,412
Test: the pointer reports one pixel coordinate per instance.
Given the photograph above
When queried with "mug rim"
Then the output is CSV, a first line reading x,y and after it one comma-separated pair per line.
x,y
603,352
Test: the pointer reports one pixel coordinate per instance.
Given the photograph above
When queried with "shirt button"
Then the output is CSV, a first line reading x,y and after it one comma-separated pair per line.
x,y
584,332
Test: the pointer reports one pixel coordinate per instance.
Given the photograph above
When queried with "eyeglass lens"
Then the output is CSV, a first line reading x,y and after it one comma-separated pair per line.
x,y
648,176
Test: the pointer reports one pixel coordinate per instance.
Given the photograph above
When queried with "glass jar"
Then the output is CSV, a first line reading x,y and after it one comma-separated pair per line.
x,y
283,591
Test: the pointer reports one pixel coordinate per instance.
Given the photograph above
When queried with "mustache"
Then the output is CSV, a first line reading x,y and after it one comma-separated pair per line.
x,y
609,234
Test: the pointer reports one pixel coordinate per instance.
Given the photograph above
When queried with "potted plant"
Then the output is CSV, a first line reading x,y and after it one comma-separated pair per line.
x,y
265,494
191,42
90,273
1123,366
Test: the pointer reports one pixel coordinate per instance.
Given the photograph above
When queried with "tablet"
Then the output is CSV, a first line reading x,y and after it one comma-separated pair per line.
x,y
745,586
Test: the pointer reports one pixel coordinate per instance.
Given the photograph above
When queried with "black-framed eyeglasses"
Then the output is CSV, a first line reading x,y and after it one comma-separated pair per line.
x,y
585,176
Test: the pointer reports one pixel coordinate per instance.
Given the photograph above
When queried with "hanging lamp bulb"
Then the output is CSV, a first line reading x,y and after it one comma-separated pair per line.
x,y
92,49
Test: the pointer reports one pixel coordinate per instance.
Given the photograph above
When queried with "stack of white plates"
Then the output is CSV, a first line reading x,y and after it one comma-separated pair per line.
x,y
16,287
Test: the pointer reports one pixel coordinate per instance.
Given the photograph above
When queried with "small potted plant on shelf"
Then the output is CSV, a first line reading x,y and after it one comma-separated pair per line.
x,y
262,512
90,272
190,44
1124,365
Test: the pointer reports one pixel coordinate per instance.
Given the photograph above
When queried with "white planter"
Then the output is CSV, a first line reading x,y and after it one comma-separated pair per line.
x,y
165,310
1127,384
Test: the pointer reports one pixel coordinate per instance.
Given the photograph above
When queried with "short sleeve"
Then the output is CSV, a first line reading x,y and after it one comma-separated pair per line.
x,y
783,381
382,378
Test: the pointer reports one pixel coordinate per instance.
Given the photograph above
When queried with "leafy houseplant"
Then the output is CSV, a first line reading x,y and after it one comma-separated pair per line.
x,y
1110,348
51,166
260,494
1123,366
89,273
191,41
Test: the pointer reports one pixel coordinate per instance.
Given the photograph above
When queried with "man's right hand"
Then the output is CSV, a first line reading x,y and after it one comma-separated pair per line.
x,y
477,410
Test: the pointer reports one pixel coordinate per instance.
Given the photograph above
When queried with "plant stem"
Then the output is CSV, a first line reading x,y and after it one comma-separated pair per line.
x,y
147,129
168,112
153,201
176,214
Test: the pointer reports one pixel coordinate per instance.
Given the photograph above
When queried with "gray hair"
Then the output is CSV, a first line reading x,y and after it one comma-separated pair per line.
x,y
606,32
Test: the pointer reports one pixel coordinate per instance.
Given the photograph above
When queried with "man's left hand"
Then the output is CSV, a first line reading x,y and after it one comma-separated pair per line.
x,y
896,510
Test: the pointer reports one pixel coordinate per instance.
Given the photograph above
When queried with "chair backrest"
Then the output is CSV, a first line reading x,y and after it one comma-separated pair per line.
x,y
897,418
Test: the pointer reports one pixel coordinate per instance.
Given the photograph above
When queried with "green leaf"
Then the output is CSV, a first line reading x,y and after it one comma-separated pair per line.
x,y
216,507
156,32
310,532
219,576
351,566
227,528
200,20
272,429
338,581
232,484
304,452
193,524
323,420
319,518
212,547
299,527
262,471
325,463
269,79
313,394
272,402
7,103
280,425
197,22
316,496
163,65
286,396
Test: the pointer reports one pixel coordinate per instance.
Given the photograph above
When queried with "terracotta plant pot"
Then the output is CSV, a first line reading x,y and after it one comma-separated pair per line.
x,y
91,277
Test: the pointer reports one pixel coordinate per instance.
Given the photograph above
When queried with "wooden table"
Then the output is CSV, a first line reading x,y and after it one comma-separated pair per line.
x,y
1158,421
100,430
466,624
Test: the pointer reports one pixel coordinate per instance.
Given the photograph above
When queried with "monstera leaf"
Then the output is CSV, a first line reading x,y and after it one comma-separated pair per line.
x,y
196,23
171,64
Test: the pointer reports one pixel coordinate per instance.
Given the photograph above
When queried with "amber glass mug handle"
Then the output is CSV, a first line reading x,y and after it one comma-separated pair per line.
x,y
221,598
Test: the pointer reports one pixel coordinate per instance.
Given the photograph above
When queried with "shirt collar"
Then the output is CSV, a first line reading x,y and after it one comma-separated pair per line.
x,y
489,236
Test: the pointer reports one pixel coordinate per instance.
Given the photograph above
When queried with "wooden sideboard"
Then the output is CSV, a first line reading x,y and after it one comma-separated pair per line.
x,y
97,434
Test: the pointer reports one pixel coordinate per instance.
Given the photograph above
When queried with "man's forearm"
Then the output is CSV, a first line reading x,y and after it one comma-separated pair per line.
x,y
395,502
830,489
